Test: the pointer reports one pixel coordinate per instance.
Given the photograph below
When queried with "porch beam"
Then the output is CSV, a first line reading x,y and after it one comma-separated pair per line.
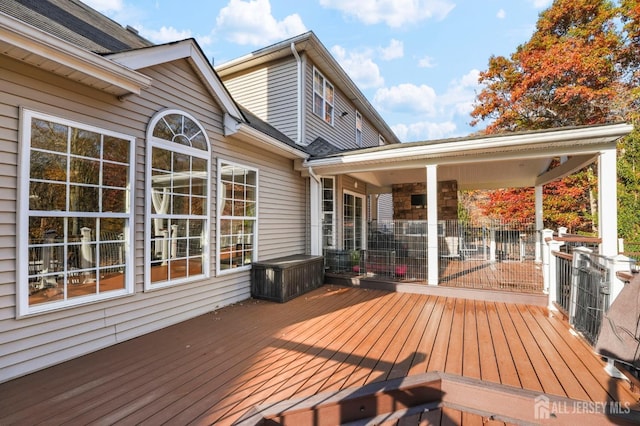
x,y
574,164
432,224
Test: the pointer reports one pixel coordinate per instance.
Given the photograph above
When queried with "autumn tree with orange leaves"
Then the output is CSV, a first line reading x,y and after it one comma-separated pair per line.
x,y
580,67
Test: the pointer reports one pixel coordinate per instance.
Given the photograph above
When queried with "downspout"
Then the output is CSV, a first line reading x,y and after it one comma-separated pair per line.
x,y
299,96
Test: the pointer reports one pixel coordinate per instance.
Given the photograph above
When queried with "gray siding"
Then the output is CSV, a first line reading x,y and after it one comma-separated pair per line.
x,y
270,93
343,132
37,341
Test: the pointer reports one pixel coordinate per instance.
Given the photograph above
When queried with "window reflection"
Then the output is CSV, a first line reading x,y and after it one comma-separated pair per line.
x,y
179,194
76,176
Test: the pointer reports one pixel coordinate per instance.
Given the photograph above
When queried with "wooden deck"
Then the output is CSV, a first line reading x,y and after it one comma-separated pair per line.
x,y
216,367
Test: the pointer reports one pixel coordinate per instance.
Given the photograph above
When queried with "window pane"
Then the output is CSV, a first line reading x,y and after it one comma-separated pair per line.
x,y
49,166
161,159
85,143
48,135
115,175
114,200
116,149
84,198
47,196
84,171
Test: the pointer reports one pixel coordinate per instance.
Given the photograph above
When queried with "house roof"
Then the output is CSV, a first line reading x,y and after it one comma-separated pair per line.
x,y
24,42
519,159
76,23
309,44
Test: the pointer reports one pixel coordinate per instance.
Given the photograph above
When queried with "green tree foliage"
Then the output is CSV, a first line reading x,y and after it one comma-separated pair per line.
x,y
580,67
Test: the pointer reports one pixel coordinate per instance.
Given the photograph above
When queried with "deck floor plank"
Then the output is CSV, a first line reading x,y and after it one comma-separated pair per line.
x,y
486,346
438,357
471,351
524,368
428,337
214,368
455,350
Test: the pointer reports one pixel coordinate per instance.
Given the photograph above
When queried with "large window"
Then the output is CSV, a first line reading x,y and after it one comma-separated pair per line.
x,y
322,97
74,215
353,221
237,216
177,200
328,214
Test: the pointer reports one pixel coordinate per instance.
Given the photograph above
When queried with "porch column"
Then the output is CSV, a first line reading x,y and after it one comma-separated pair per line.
x,y
608,202
315,192
432,225
539,221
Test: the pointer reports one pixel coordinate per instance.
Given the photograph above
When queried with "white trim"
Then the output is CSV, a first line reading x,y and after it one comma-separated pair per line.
x,y
185,49
359,130
254,254
323,95
152,142
334,204
547,140
363,230
22,219
28,43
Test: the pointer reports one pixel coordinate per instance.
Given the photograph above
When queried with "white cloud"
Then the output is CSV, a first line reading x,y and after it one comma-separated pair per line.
x,y
422,113
501,14
424,130
461,94
541,4
426,62
164,34
105,6
406,98
359,66
251,22
394,13
393,51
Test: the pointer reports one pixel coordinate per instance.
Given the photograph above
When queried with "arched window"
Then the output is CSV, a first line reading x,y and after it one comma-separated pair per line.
x,y
177,200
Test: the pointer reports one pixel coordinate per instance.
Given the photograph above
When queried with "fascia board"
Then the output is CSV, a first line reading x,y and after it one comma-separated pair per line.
x,y
483,146
185,49
51,48
267,142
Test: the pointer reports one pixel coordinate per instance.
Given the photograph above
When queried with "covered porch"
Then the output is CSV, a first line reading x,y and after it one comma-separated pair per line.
x,y
215,368
442,248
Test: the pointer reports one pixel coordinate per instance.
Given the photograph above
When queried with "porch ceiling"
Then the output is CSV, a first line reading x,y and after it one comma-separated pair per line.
x,y
478,162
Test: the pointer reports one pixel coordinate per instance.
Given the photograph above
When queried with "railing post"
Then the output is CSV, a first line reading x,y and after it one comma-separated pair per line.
x,y
549,271
616,264
578,252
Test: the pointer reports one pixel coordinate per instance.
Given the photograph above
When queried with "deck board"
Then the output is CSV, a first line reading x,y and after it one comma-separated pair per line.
x,y
214,368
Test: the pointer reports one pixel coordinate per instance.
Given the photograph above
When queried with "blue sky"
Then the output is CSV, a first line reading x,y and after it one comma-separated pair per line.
x,y
417,61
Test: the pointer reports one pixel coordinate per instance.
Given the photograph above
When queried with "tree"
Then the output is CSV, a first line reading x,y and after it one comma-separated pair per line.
x,y
580,67
565,75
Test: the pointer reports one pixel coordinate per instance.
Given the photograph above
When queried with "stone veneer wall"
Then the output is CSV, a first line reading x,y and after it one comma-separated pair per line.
x,y
447,201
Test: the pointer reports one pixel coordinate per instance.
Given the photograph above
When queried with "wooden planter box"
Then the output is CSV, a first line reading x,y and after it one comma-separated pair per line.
x,y
284,278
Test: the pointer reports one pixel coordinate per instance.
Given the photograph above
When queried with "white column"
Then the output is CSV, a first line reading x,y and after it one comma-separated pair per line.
x,y
315,192
539,221
608,203
432,225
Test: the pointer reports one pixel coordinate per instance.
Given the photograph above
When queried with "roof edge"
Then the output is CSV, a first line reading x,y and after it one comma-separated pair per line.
x,y
25,37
